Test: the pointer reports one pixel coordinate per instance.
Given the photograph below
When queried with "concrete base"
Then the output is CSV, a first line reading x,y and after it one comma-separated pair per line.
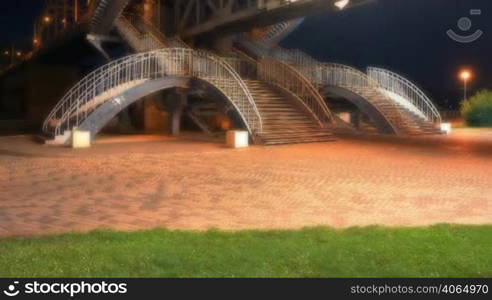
x,y
446,128
345,116
59,140
237,139
81,139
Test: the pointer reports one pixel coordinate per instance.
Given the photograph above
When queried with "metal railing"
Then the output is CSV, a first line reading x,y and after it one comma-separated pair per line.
x,y
401,86
277,32
142,31
275,72
111,79
273,4
155,32
284,75
358,82
246,68
322,74
342,76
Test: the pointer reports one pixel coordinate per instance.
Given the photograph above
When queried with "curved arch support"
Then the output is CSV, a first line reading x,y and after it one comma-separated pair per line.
x,y
96,121
140,71
379,119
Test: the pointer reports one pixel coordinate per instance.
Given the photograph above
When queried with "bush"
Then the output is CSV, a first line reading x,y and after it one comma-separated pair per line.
x,y
477,110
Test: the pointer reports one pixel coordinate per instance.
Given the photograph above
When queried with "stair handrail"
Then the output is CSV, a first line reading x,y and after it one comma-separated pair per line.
x,y
345,76
278,73
152,38
348,77
179,62
87,83
335,74
320,73
246,67
399,85
275,33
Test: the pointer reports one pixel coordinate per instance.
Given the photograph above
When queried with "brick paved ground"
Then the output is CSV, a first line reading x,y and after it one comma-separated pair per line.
x,y
144,182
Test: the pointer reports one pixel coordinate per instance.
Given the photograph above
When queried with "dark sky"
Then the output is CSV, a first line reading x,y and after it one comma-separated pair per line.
x,y
406,36
16,17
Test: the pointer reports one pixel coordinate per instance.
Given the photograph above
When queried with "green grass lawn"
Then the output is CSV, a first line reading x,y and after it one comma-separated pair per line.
x,y
443,250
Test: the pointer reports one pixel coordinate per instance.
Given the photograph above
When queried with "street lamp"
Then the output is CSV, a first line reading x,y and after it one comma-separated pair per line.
x,y
465,75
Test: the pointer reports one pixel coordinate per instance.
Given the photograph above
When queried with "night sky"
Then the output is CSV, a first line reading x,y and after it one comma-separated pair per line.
x,y
17,18
406,36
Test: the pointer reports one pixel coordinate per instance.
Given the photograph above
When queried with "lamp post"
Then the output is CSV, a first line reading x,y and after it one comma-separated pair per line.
x,y
465,76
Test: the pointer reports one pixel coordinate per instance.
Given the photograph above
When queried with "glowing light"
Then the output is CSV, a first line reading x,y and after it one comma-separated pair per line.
x,y
47,19
19,53
465,75
341,4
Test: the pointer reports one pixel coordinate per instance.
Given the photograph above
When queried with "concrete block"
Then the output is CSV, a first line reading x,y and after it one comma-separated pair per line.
x,y
237,139
345,116
81,139
446,128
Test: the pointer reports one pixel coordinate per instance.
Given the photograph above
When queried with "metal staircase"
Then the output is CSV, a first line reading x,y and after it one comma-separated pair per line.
x,y
284,122
393,116
292,109
411,99
357,82
105,13
143,36
276,33
109,88
270,72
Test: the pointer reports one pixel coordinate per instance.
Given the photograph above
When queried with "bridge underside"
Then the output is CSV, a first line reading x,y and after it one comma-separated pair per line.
x,y
194,18
245,19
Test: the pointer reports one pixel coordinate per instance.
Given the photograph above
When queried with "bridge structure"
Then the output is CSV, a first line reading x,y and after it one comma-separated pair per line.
x,y
56,20
228,50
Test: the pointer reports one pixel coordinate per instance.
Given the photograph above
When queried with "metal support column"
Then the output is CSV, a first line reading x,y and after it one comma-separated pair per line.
x,y
180,101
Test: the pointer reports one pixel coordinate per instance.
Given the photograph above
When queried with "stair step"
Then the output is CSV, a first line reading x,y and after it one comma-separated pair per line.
x,y
298,140
294,135
283,122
